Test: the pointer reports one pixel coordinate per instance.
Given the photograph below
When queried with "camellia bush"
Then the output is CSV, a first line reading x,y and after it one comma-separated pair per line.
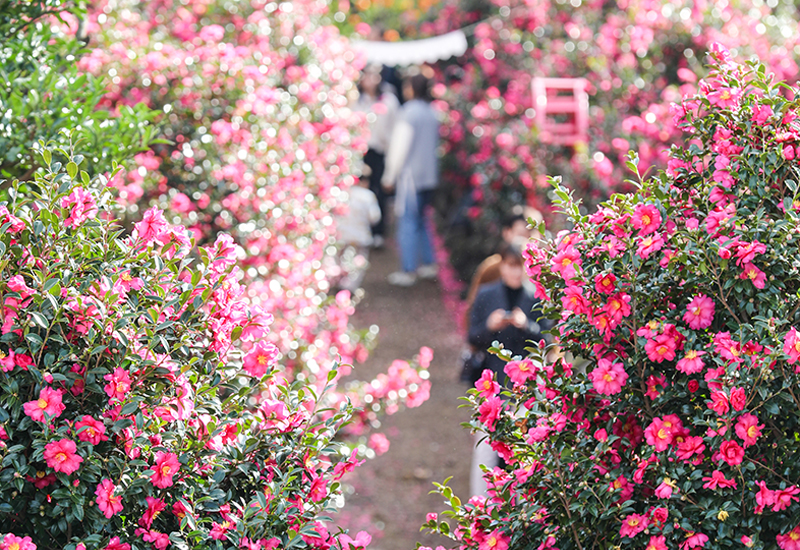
x,y
679,427
128,416
256,141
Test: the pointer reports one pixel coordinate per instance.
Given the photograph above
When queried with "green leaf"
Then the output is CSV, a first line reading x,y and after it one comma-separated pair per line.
x,y
72,169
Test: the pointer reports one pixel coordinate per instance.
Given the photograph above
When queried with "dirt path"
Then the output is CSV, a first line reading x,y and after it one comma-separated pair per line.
x,y
427,443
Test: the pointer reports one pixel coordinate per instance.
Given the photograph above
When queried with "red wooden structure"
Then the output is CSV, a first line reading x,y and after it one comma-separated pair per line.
x,y
562,110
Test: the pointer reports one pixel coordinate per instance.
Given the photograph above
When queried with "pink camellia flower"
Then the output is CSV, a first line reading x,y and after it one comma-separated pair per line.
x,y
691,362
219,530
106,501
660,514
605,283
695,540
496,540
489,412
13,542
160,540
791,345
520,372
48,406
661,348
83,207
119,384
90,430
608,378
166,466
152,227
8,360
782,498
129,282
62,456
752,273
718,479
566,262
658,434
764,497
260,359
789,541
700,312
746,252
486,384
657,543
690,446
738,399
719,403
748,429
653,383
664,490
725,97
362,540
154,507
731,452
633,524
649,244
116,544
761,114
618,307
646,218
17,284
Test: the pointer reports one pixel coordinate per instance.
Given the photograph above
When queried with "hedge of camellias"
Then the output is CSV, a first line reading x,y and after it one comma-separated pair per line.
x,y
679,426
128,413
260,144
159,386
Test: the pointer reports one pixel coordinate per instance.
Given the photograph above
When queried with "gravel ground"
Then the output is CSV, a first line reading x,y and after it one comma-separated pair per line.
x,y
428,444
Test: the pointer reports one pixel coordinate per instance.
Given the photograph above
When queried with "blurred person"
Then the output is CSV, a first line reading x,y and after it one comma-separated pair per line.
x,y
412,166
504,311
515,229
354,233
381,106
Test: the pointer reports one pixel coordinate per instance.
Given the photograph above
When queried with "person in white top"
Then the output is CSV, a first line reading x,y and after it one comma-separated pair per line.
x,y
381,105
354,231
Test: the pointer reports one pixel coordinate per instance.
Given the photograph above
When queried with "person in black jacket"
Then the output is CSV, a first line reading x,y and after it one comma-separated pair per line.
x,y
505,311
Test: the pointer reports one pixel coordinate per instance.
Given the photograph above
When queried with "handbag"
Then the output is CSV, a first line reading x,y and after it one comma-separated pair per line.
x,y
472,365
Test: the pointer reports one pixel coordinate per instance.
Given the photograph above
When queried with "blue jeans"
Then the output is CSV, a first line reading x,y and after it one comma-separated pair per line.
x,y
412,233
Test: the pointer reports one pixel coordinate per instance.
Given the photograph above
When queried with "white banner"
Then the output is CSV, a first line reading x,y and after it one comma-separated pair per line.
x,y
414,52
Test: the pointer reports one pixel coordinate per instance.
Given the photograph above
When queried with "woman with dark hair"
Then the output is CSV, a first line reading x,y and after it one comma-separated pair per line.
x,y
381,107
412,166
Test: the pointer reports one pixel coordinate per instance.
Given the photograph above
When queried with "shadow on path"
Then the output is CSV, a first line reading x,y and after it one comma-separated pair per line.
x,y
427,443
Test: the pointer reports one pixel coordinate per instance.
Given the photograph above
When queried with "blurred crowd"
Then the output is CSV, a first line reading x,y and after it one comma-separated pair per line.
x,y
399,175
